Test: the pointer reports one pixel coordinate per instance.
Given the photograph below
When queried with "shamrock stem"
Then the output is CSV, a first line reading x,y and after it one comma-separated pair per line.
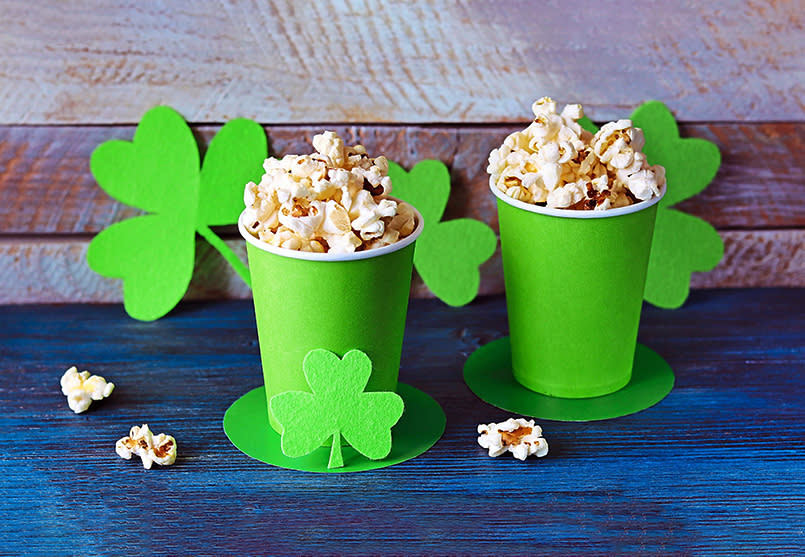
x,y
215,241
336,458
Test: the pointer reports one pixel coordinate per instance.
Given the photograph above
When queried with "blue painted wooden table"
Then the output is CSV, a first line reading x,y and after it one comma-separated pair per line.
x,y
716,467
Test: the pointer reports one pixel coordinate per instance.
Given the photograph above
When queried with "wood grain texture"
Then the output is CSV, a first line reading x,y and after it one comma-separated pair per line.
x,y
397,61
42,271
716,468
46,186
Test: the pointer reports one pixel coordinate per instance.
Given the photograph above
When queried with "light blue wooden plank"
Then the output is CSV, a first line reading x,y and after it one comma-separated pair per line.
x,y
378,61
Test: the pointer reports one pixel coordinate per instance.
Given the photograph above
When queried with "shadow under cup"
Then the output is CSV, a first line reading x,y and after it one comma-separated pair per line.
x,y
339,302
574,291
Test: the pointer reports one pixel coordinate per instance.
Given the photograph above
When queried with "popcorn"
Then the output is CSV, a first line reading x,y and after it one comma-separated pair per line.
x,y
368,215
567,195
556,163
141,442
82,388
332,201
518,436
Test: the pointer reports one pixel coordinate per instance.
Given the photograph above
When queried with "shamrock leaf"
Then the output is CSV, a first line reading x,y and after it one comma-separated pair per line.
x,y
159,173
448,254
337,407
682,243
157,275
690,163
686,243
588,124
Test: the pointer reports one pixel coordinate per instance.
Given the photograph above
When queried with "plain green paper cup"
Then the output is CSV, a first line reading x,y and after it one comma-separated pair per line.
x,y
574,290
337,302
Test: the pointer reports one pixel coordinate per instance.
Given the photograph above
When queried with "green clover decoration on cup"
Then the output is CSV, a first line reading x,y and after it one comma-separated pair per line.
x,y
338,407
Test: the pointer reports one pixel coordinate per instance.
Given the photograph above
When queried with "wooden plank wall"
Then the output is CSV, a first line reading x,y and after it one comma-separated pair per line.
x,y
413,80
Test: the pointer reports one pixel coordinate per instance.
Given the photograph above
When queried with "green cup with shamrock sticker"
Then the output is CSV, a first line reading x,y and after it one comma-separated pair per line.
x,y
334,301
574,291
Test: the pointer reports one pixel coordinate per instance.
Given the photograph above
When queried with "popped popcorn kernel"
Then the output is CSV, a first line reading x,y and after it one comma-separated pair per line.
x,y
332,201
149,447
82,388
554,162
521,437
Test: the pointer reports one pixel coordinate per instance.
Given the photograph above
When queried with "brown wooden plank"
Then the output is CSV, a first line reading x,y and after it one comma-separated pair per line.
x,y
45,183
35,270
372,61
758,258
46,186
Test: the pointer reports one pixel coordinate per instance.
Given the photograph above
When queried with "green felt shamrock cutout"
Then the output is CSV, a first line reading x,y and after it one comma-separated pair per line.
x,y
682,243
159,172
448,254
337,407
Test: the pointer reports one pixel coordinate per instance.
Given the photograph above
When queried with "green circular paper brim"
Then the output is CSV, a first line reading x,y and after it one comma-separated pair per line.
x,y
421,425
488,373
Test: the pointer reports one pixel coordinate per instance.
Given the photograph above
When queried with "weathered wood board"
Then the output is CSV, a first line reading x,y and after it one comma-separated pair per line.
x,y
441,80
395,61
46,186
33,270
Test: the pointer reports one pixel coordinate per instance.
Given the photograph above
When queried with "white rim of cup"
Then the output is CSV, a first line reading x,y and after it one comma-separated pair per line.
x,y
575,213
353,256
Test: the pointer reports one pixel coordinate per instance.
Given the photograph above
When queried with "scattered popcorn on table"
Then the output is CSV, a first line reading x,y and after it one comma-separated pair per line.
x,y
333,201
519,436
149,447
82,388
554,162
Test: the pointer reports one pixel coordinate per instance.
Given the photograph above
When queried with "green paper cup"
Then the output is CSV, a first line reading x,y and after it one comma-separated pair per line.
x,y
337,302
574,290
